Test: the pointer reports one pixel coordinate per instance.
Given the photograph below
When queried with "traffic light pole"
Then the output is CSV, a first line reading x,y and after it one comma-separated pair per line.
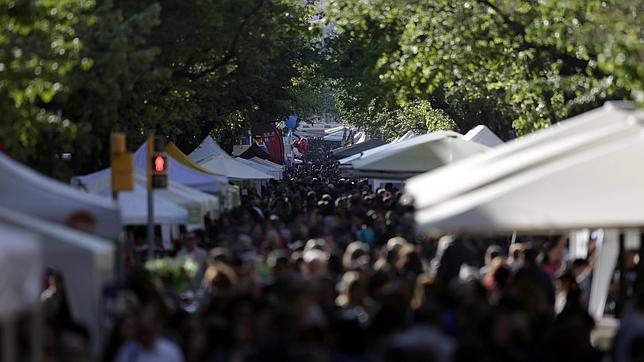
x,y
150,231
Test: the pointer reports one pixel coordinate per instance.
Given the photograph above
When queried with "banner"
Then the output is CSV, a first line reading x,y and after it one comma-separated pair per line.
x,y
274,144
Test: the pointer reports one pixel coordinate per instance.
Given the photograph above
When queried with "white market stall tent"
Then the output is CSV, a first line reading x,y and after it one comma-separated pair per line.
x,y
171,204
596,184
25,190
272,169
471,173
233,169
347,151
214,159
207,148
407,136
21,271
177,172
483,135
85,261
180,173
404,159
337,134
583,178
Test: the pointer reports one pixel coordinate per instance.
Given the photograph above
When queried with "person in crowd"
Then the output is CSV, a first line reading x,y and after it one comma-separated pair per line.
x,y
325,268
191,250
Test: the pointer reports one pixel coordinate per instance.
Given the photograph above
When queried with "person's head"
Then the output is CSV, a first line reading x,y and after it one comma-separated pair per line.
x,y
149,326
82,221
351,291
353,253
190,240
316,262
578,267
278,261
492,252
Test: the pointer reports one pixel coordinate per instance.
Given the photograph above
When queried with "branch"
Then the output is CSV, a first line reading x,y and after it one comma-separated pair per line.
x,y
519,30
230,53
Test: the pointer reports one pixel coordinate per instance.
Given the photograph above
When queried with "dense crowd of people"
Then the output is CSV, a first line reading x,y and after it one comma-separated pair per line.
x,y
321,268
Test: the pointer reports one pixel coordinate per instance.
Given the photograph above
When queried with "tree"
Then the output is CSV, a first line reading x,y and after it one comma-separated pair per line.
x,y
520,64
39,46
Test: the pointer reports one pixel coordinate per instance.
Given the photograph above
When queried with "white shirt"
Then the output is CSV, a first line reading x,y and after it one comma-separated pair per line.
x,y
163,350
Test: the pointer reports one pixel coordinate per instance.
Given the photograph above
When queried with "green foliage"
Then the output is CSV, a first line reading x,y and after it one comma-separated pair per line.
x,y
520,64
418,116
72,71
39,46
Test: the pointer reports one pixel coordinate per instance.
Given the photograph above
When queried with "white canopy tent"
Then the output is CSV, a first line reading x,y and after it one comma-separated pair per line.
x,y
211,157
594,185
483,135
207,148
180,173
232,168
407,136
20,270
469,174
177,172
589,179
404,159
85,261
134,209
259,164
178,195
335,137
25,190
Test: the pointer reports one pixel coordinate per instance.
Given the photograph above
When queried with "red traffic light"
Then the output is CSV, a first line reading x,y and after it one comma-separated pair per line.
x,y
159,163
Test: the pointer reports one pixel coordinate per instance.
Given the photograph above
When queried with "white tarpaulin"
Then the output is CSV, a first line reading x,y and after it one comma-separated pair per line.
x,y
207,148
20,270
85,261
404,159
590,179
483,135
231,168
25,190
471,173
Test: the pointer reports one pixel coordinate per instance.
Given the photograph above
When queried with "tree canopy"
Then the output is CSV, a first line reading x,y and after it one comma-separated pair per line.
x,y
72,71
78,70
513,65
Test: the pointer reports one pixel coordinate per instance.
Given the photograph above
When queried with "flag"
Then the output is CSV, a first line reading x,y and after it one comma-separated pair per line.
x,y
274,144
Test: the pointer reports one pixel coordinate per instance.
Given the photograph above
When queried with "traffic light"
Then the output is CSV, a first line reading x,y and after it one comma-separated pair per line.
x,y
157,164
122,164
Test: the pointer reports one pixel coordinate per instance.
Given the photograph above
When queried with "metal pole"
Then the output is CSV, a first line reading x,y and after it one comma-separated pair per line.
x,y
150,231
622,293
119,260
